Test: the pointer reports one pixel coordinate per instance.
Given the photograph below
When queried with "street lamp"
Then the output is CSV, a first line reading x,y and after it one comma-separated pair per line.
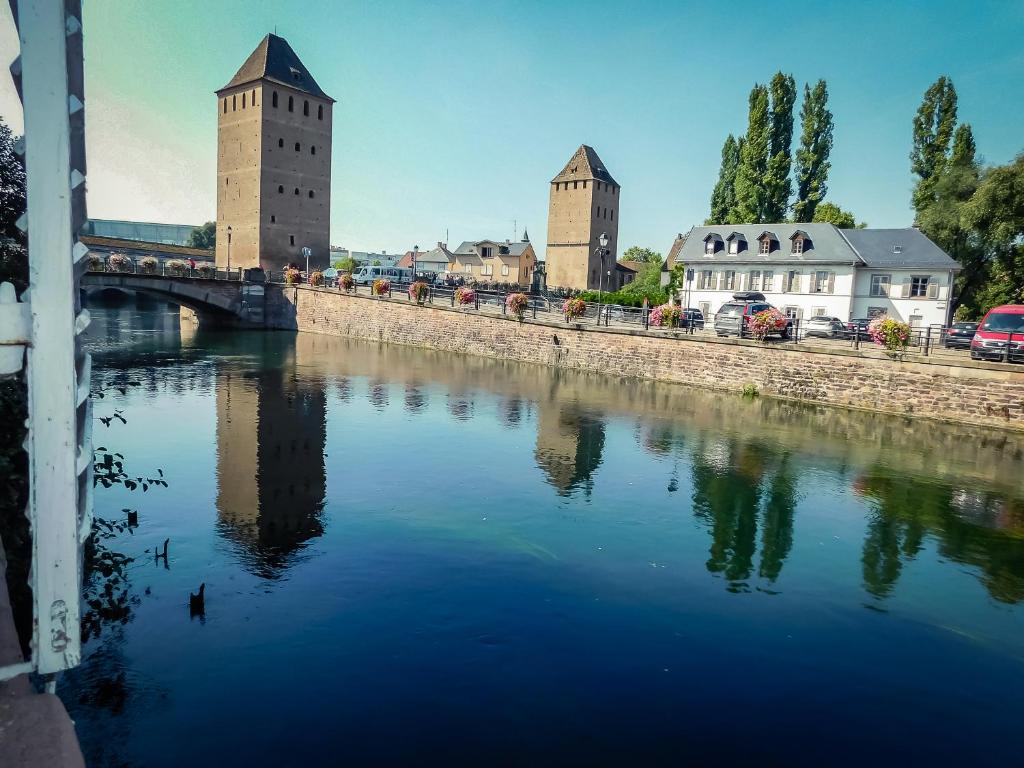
x,y
603,241
229,251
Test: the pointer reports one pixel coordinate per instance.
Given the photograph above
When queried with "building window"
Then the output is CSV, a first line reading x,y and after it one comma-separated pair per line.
x,y
280,143
730,280
291,104
709,248
791,282
254,97
486,270
305,108
704,282
880,285
504,269
823,282
225,105
296,190
705,308
918,286
818,312
273,100
767,278
734,245
280,189
798,245
234,103
754,280
297,148
311,194
243,101
273,218
469,269
793,313
575,184
766,246
320,112
291,239
584,184
486,251
312,150
613,214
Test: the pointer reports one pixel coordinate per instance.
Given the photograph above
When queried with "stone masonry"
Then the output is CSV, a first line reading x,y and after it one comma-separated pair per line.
x,y
971,393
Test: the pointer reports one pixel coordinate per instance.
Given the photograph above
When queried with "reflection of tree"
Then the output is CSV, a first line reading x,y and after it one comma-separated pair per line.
x,y
511,411
378,394
415,400
975,528
570,443
777,533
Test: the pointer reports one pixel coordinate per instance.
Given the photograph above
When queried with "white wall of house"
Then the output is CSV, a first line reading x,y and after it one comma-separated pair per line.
x,y
916,296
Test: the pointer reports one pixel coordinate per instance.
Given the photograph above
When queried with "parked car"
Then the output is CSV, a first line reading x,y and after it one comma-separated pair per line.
x,y
691,318
367,275
959,336
858,328
1000,326
825,327
733,318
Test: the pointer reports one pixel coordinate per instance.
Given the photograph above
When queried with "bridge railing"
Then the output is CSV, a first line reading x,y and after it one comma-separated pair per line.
x,y
150,265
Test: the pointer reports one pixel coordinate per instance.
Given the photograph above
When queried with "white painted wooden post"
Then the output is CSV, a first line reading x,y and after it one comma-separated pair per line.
x,y
59,445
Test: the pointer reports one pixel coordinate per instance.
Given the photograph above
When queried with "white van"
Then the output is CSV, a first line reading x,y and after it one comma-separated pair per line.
x,y
367,275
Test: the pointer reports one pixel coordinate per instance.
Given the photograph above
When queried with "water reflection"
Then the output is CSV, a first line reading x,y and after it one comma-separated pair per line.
x,y
570,440
271,478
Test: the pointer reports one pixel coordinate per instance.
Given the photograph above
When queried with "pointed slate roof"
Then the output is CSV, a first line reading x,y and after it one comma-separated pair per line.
x,y
585,164
274,60
526,237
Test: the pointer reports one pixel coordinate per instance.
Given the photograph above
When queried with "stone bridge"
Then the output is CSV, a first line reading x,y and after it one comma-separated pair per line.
x,y
214,301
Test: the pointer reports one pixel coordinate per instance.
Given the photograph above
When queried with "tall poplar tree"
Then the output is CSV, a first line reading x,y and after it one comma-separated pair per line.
x,y
723,197
777,186
750,192
933,128
812,163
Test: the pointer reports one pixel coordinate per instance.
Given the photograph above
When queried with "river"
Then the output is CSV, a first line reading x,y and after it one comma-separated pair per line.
x,y
420,558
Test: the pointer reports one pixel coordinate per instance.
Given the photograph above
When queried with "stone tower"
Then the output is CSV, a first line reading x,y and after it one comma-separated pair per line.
x,y
273,163
584,203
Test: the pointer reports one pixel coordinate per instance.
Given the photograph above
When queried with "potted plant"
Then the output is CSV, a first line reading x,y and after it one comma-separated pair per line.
x,y
292,276
665,316
119,262
418,292
517,304
175,267
574,308
207,270
148,264
890,333
316,278
381,287
464,296
347,282
765,323
95,263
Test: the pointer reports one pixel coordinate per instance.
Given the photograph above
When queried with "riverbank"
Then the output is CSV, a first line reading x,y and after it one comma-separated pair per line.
x,y
966,392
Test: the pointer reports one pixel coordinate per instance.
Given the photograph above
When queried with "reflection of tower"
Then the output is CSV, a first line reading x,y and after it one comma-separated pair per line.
x,y
271,481
569,445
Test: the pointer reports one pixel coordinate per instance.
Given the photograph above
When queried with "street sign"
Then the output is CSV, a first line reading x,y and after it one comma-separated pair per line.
x,y
307,252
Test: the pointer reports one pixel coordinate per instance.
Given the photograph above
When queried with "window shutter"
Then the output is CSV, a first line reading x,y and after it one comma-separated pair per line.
x,y
905,288
933,289
831,282
795,287
721,281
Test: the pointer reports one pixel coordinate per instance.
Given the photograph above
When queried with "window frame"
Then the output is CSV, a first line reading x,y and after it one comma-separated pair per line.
x,y
875,288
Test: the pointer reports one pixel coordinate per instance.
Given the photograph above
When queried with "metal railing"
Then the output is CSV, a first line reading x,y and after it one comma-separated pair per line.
x,y
164,268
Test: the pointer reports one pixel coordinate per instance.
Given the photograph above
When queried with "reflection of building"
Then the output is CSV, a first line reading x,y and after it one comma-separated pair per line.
x,y
271,480
569,445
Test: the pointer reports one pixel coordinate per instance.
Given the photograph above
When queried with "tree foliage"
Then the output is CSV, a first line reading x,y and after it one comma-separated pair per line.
x,y
934,124
204,236
812,158
830,213
723,197
780,159
646,255
751,198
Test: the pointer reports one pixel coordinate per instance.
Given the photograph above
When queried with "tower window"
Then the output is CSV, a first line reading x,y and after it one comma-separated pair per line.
x,y
225,181
305,108
243,101
225,105
296,146
320,112
291,104
280,143
273,100
254,97
296,190
312,150
234,103
311,194
584,184
280,189
273,218
575,184
613,214
291,239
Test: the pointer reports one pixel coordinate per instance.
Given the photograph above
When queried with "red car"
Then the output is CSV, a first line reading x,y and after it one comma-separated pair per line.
x,y
1000,336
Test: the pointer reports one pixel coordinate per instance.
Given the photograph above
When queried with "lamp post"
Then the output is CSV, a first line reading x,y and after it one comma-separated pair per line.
x,y
307,252
603,241
229,251
415,253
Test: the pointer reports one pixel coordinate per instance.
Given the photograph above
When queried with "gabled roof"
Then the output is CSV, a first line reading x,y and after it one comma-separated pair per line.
x,y
468,247
737,236
632,266
274,60
673,252
585,164
897,248
770,234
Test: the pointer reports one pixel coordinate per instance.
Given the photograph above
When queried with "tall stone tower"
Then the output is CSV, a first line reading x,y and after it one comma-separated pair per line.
x,y
584,204
273,163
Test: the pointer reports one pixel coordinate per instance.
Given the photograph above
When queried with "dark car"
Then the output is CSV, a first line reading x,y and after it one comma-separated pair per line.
x,y
959,336
691,318
858,328
733,318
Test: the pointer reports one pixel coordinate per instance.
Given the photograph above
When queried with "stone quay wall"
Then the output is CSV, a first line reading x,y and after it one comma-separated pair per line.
x,y
968,392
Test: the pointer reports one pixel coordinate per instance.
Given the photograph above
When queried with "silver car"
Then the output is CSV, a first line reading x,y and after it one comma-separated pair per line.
x,y
825,327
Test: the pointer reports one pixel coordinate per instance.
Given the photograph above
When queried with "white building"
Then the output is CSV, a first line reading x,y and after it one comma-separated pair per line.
x,y
817,269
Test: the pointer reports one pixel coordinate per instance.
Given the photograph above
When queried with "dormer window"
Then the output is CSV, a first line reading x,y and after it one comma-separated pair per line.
x,y
737,243
800,241
486,251
767,242
798,245
766,246
709,247
712,244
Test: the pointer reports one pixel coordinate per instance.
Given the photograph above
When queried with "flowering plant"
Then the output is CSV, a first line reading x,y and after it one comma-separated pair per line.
x,y
291,276
665,315
207,270
889,333
316,277
148,264
381,287
95,263
465,296
418,291
346,282
573,308
516,303
766,322
118,262
175,267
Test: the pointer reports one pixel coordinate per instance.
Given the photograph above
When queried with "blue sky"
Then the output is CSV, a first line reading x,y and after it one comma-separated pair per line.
x,y
456,115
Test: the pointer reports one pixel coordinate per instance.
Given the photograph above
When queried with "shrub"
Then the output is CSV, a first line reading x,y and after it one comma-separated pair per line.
x,y
381,287
95,263
517,304
625,298
665,315
207,270
889,333
316,277
750,390
465,296
346,282
766,322
292,276
418,291
148,264
574,308
175,267
118,262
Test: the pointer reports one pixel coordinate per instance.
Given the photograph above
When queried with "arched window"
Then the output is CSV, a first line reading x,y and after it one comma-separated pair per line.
x,y
296,146
234,103
291,104
273,100
312,150
254,97
225,105
320,112
280,143
243,101
305,108
296,190
280,189
311,194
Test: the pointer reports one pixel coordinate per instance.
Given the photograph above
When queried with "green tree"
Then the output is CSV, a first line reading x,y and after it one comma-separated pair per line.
x,y
204,236
750,192
830,213
646,255
933,129
723,197
347,264
13,254
780,144
812,158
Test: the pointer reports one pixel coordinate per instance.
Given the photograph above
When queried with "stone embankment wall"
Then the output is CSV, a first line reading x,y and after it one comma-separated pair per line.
x,y
973,393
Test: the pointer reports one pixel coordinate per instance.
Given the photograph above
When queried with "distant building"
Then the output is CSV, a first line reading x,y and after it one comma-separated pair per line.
x,y
497,261
809,270
145,231
584,204
273,162
362,258
438,259
137,249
